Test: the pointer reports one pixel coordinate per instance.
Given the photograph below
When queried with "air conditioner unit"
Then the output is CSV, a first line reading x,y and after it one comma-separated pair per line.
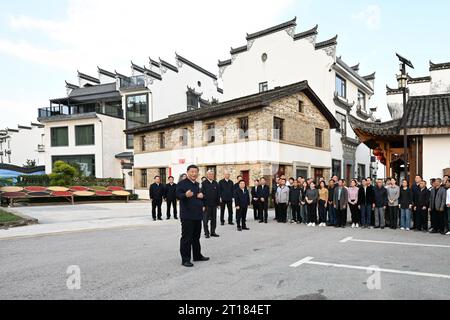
x,y
1,154
8,152
41,148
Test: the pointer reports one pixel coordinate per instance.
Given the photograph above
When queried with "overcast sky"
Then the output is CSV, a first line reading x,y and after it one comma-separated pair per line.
x,y
43,43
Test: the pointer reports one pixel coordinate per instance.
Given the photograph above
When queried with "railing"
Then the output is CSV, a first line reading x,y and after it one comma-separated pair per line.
x,y
132,82
81,109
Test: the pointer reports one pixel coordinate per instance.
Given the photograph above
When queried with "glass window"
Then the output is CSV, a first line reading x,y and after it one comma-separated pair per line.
x,y
342,119
278,128
85,135
362,100
193,100
319,138
336,168
137,114
114,109
144,178
163,175
301,106
341,87
263,87
211,132
162,140
59,137
243,128
85,163
361,171
184,137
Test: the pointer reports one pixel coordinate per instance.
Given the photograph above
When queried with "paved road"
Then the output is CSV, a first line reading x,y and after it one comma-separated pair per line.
x,y
142,262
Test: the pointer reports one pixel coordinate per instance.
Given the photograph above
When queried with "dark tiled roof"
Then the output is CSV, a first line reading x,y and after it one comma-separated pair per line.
x,y
238,50
355,67
88,77
106,73
124,155
369,77
94,90
388,128
439,66
119,75
238,105
282,26
428,112
391,91
154,63
92,93
307,33
195,66
24,127
224,63
220,90
168,65
146,71
345,66
327,43
422,112
419,79
71,86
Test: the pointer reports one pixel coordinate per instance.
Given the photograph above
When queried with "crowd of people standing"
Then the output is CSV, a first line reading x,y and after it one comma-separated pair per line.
x,y
371,204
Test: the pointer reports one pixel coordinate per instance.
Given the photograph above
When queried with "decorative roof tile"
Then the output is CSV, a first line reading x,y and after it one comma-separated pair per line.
x,y
279,27
439,66
307,33
195,66
327,43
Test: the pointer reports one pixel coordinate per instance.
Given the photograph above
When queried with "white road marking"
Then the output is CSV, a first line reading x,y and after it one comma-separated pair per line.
x,y
396,243
309,260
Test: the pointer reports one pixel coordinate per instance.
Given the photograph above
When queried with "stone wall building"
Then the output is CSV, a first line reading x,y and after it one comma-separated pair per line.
x,y
282,131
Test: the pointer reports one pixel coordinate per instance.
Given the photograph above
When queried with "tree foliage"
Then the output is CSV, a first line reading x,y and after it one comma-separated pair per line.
x,y
63,174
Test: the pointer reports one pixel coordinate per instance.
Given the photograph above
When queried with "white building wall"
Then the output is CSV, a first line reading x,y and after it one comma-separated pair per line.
x,y
233,153
109,141
24,146
290,61
436,156
418,89
440,81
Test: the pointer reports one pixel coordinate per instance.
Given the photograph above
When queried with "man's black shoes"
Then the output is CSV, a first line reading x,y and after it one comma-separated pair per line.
x,y
207,236
187,264
215,235
201,259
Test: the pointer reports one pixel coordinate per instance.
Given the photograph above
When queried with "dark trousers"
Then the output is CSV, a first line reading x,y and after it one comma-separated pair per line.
x,y
416,219
277,211
312,213
255,205
341,216
241,217
296,212
322,211
263,211
366,215
438,220
422,219
282,212
356,216
172,203
210,215
156,206
393,217
331,214
190,239
229,206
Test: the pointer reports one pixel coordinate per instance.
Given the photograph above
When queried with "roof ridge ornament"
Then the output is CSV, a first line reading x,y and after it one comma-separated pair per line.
x,y
276,28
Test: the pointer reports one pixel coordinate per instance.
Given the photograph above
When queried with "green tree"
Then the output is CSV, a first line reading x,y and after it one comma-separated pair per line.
x,y
63,174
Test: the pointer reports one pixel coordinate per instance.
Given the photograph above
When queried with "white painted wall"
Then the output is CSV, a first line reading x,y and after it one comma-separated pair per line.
x,y
436,156
233,153
290,61
109,140
440,81
23,146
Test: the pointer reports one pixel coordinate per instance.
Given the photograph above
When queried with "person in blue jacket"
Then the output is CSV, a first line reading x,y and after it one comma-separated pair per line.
x,y
242,201
191,215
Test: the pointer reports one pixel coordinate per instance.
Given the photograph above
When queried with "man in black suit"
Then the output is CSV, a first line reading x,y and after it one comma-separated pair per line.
x,y
210,190
171,198
156,196
191,215
226,188
263,193
255,199
242,201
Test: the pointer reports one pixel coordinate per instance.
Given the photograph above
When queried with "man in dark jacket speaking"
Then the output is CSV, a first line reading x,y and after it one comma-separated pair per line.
x,y
191,215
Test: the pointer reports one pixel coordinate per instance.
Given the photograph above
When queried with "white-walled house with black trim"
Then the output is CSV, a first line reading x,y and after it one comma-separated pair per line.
x,y
279,56
87,125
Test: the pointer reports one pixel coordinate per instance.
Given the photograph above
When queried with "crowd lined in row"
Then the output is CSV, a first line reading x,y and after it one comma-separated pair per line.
x,y
379,204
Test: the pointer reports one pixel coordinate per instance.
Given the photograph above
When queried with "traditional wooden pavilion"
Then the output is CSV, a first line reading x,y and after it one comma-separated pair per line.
x,y
426,118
